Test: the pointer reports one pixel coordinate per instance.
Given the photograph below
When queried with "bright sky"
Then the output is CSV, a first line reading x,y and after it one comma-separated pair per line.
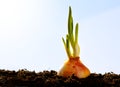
x,y
31,32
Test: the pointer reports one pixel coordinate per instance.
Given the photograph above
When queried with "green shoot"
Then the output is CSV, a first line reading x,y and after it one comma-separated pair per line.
x,y
71,38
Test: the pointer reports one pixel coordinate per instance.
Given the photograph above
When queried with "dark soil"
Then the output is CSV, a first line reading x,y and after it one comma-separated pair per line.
x,y
25,78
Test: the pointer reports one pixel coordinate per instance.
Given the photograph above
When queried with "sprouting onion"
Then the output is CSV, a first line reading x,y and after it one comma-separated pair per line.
x,y
73,66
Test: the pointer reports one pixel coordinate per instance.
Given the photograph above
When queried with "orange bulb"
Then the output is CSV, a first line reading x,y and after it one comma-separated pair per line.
x,y
74,66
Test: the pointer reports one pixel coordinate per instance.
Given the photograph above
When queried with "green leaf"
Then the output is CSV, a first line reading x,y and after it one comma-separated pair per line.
x,y
76,33
71,38
64,42
70,27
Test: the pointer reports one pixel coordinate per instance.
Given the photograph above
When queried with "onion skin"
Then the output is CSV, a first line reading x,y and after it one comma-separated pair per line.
x,y
74,66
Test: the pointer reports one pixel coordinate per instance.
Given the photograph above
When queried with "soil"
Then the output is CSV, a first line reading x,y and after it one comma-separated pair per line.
x,y
25,78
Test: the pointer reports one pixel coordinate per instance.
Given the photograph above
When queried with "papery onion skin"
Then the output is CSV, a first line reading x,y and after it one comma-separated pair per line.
x,y
73,66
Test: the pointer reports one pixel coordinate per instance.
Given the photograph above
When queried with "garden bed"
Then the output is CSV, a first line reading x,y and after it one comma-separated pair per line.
x,y
25,78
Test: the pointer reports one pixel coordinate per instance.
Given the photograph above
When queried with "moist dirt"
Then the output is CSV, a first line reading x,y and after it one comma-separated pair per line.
x,y
25,78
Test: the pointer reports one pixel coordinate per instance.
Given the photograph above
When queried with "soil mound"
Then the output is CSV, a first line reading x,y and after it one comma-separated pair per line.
x,y
25,78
